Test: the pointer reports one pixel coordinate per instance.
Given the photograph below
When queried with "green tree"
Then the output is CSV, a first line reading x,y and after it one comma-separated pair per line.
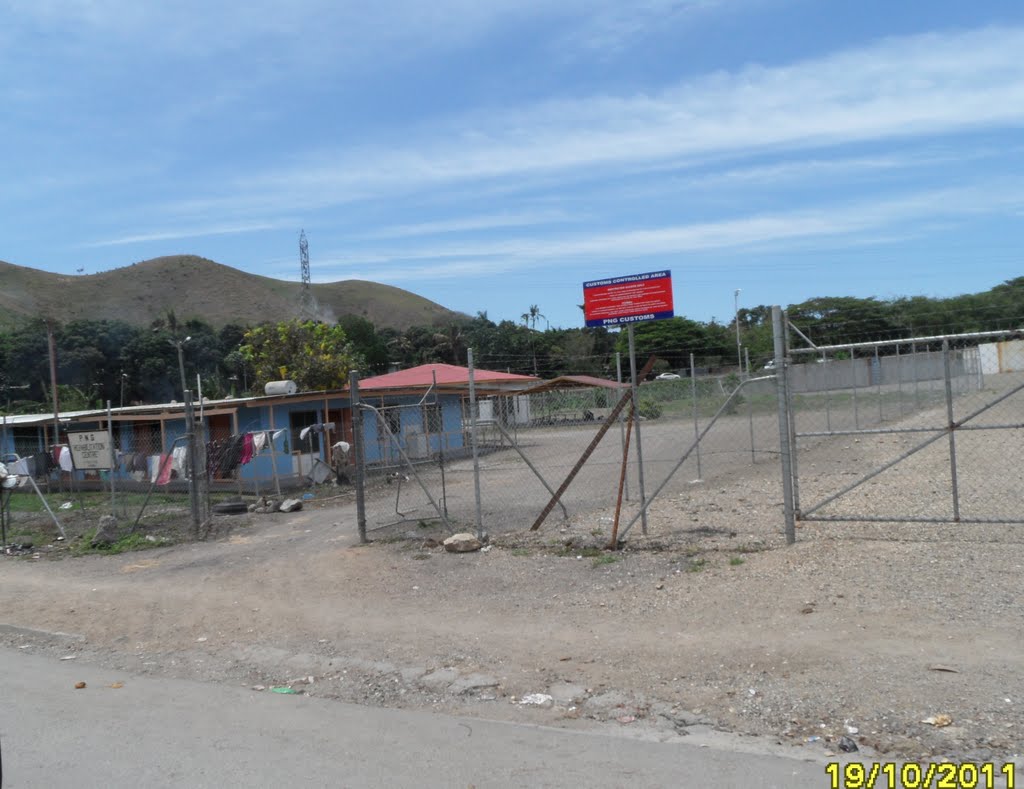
x,y
314,355
366,341
676,338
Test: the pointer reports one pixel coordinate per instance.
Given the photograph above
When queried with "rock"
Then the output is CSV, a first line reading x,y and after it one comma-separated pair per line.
x,y
462,543
107,533
442,677
472,682
291,505
566,692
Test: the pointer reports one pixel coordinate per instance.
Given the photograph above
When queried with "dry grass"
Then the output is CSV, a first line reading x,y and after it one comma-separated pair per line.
x,y
198,288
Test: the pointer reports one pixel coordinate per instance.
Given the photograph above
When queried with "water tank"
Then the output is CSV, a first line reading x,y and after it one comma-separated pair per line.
x,y
280,388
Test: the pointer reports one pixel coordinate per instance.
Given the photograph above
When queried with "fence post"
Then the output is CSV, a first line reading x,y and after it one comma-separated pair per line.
x,y
113,461
853,380
193,491
622,422
899,379
473,443
778,329
360,454
952,431
636,420
878,386
750,411
696,415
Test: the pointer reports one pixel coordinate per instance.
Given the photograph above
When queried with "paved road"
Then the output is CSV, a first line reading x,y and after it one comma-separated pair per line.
x,y
163,733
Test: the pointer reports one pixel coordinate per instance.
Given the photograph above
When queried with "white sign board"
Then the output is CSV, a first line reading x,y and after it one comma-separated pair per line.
x,y
89,450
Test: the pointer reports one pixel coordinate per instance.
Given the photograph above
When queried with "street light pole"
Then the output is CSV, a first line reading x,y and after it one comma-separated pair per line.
x,y
177,343
124,377
736,312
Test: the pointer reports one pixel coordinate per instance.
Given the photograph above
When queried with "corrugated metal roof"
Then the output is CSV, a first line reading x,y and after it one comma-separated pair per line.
x,y
447,375
574,382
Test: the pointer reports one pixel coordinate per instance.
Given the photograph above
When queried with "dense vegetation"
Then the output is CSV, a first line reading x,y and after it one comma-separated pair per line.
x,y
112,360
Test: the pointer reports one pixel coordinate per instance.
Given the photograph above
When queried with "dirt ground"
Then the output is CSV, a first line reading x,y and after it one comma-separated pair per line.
x,y
709,623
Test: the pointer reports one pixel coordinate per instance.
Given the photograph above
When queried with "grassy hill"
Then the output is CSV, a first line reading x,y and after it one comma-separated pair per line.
x,y
198,288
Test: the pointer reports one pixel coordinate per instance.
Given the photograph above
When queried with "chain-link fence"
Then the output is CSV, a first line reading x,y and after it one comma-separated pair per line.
x,y
420,465
924,429
154,472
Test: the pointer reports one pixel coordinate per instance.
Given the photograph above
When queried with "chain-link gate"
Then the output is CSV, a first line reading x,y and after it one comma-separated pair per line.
x,y
923,429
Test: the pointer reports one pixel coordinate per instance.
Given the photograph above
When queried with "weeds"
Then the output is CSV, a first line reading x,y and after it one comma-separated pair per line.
x,y
696,565
608,558
129,542
736,561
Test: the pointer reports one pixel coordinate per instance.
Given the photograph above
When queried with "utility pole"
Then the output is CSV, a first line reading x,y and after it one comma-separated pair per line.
x,y
181,362
52,345
736,313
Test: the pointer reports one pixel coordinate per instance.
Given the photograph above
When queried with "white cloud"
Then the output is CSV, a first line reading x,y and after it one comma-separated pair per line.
x,y
916,87
467,224
856,223
192,232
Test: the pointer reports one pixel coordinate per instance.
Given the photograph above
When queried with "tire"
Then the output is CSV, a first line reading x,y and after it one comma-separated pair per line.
x,y
229,508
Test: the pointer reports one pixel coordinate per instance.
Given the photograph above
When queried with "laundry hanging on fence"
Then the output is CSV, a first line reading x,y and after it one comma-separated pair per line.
x,y
43,463
179,462
247,444
159,468
23,468
259,440
166,465
65,461
319,427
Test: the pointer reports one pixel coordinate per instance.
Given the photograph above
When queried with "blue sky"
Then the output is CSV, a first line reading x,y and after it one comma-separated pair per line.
x,y
493,154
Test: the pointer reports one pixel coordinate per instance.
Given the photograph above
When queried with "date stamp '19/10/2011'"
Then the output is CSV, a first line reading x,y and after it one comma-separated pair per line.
x,y
917,775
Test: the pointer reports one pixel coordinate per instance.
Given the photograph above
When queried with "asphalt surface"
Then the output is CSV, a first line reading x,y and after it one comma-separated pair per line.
x,y
171,733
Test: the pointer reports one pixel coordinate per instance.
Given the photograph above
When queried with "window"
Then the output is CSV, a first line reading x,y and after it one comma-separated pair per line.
x,y
391,417
433,419
298,421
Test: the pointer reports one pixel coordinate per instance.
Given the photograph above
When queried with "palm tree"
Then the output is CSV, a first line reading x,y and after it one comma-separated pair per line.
x,y
530,320
450,341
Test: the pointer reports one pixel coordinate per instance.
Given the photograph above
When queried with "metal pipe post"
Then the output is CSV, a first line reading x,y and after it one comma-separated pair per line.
x,y
360,455
794,471
914,364
622,422
952,431
853,376
636,419
750,411
473,442
696,412
899,379
193,490
113,460
736,319
784,424
878,386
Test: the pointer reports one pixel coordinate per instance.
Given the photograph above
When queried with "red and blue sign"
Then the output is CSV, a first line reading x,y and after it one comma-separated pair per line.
x,y
619,301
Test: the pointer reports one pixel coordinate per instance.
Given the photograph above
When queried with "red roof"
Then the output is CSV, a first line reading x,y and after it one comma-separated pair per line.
x,y
447,375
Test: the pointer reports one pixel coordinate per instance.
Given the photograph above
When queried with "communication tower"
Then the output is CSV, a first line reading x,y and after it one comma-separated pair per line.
x,y
307,304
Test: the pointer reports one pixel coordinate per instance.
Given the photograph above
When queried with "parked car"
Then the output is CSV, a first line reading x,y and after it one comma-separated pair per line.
x,y
769,365
668,377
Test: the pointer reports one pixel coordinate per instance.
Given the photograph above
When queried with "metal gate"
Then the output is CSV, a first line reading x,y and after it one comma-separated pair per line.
x,y
925,429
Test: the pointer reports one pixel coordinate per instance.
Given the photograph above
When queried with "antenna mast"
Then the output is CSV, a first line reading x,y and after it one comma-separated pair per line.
x,y
307,304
